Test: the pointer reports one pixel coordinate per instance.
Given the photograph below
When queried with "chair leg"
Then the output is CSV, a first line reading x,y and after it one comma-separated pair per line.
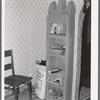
x,y
30,89
13,91
16,92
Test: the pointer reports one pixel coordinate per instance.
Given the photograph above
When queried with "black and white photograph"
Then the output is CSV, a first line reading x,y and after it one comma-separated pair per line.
x,y
47,50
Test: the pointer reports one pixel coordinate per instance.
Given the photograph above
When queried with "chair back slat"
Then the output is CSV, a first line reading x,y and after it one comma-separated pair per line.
x,y
10,65
8,53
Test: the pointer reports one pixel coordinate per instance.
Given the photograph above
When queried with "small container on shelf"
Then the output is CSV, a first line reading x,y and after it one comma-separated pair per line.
x,y
56,77
53,28
57,46
55,70
58,29
55,93
58,49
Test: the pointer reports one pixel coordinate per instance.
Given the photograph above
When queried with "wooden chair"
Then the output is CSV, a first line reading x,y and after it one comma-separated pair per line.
x,y
14,81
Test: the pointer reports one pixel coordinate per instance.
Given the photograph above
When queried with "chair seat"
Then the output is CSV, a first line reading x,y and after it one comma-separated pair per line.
x,y
16,80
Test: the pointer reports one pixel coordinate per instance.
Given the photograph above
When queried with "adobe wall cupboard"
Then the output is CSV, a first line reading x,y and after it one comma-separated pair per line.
x,y
60,50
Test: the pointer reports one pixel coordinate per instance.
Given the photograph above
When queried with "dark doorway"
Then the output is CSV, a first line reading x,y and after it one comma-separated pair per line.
x,y
85,79
86,50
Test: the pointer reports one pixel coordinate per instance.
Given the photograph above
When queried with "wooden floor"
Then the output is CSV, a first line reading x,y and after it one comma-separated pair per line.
x,y
84,95
24,96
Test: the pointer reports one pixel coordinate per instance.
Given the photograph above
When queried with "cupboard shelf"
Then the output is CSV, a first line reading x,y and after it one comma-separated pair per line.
x,y
59,47
56,55
59,36
56,62
56,86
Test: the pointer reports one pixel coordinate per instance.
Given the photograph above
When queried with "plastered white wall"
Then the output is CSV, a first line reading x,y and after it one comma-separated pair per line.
x,y
25,33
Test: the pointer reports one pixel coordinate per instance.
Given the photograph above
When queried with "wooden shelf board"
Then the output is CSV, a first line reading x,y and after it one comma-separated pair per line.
x,y
54,85
56,55
57,36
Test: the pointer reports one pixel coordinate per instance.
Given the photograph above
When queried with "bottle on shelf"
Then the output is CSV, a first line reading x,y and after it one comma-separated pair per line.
x,y
57,29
